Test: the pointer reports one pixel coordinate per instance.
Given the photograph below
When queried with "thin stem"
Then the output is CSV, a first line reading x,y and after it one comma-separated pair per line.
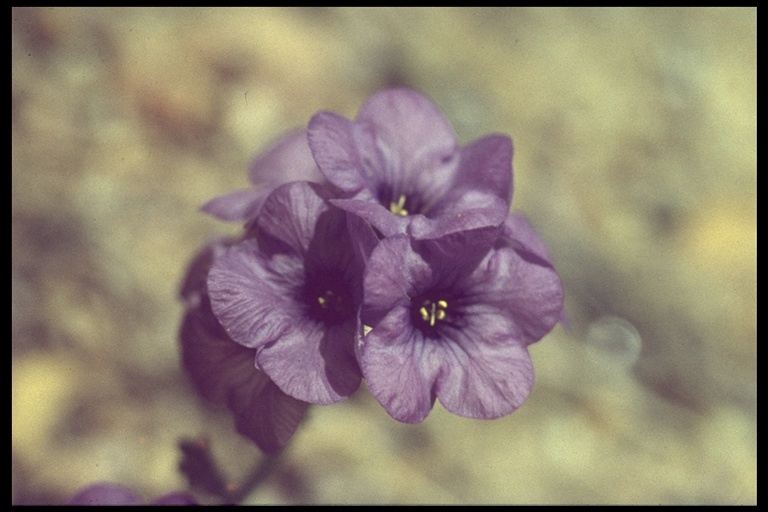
x,y
260,472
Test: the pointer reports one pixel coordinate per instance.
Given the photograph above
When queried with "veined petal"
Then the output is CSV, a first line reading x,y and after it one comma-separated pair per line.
x,y
461,208
264,414
253,296
519,231
363,238
409,128
527,294
399,367
332,141
486,164
322,367
215,363
519,234
195,282
225,372
485,373
378,216
289,215
389,277
287,159
473,211
457,245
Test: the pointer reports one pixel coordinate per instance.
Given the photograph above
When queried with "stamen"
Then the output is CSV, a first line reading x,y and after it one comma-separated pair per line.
x,y
433,313
323,299
398,207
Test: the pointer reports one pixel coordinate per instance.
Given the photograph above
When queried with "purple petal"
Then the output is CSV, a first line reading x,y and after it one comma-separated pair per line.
x,y
485,374
288,159
378,216
175,498
236,206
363,238
106,494
290,214
476,363
264,414
215,363
334,148
195,282
225,372
473,211
410,129
388,281
528,295
519,234
522,234
486,165
253,295
313,363
400,367
459,248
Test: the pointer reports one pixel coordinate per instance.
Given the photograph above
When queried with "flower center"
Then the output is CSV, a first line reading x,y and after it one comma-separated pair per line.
x,y
398,208
401,203
328,302
430,312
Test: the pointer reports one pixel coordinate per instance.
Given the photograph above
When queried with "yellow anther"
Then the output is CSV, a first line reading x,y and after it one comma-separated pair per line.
x,y
398,207
367,329
323,299
435,312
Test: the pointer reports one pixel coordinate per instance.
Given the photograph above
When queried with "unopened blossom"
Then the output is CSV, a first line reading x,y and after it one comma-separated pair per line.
x,y
452,318
287,159
225,372
399,166
291,290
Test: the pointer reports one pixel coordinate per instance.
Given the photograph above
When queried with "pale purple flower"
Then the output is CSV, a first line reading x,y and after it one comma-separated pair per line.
x,y
398,166
292,291
451,319
105,493
287,159
395,258
225,372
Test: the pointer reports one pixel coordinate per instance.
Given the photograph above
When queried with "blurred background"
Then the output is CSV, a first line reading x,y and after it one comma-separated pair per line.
x,y
635,138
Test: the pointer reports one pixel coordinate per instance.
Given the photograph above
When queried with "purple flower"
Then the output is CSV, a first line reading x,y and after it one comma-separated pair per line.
x,y
292,291
451,318
287,159
115,494
225,372
398,261
399,166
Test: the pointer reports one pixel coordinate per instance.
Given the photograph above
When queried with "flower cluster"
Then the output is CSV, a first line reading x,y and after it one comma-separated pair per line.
x,y
376,248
